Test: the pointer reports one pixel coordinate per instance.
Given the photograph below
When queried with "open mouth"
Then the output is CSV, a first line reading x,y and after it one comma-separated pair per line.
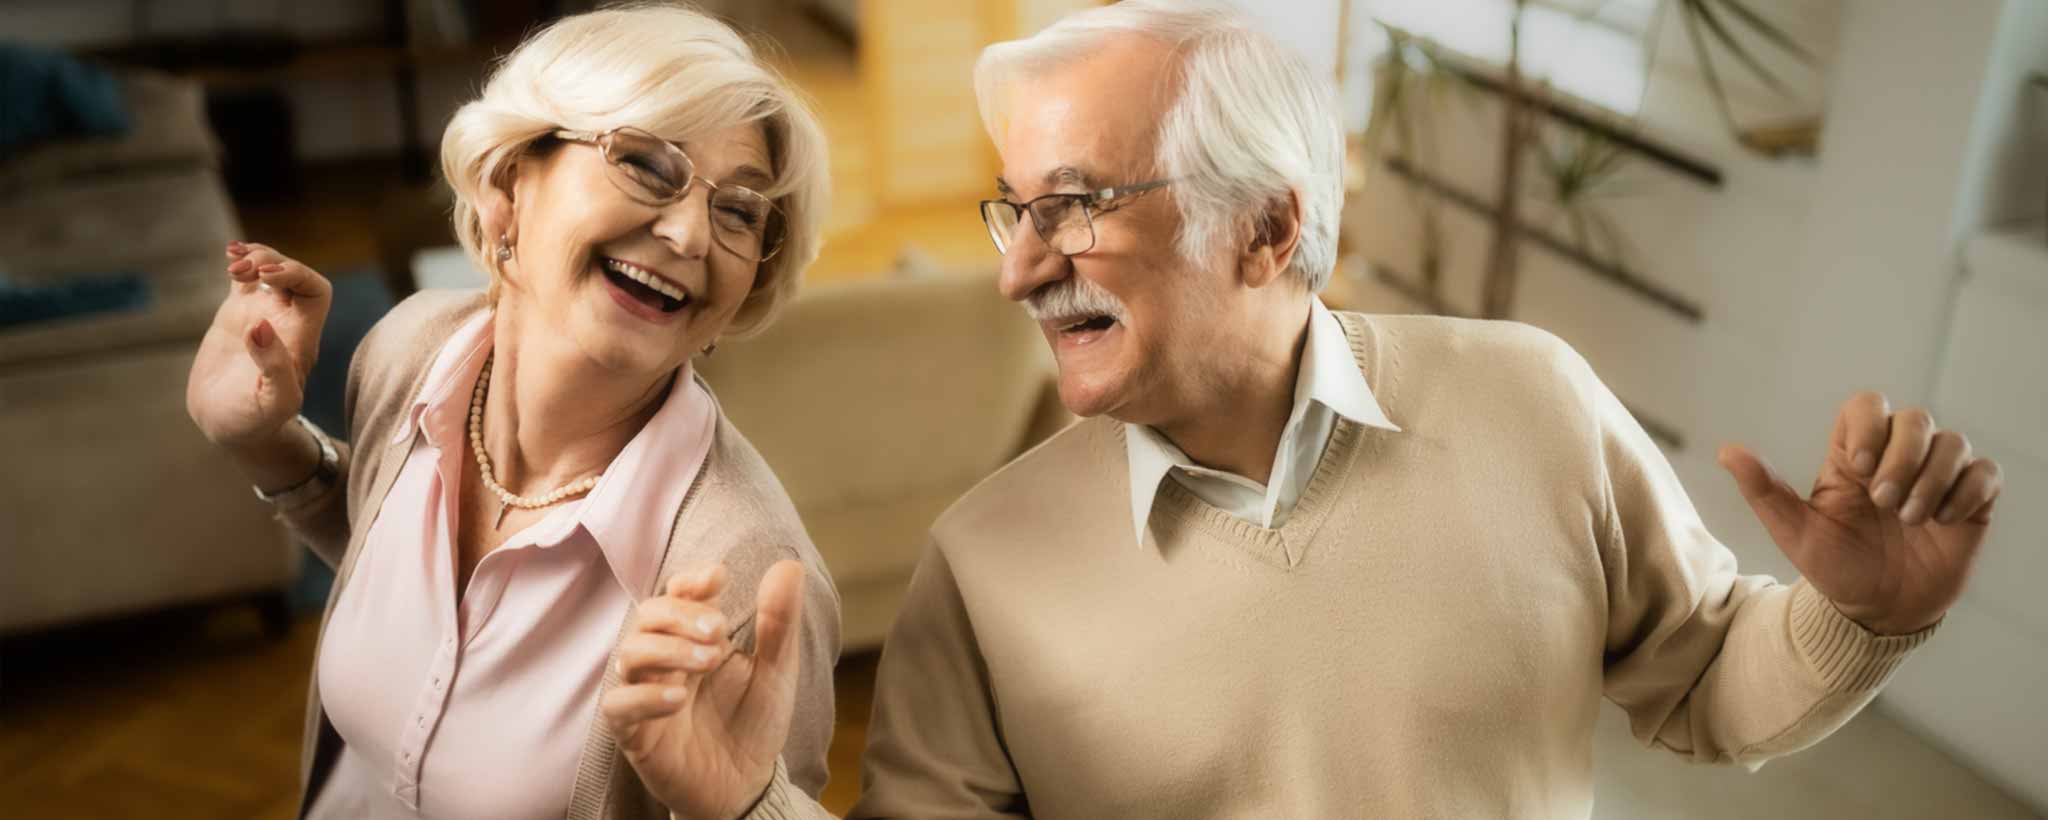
x,y
644,286
1080,331
1089,324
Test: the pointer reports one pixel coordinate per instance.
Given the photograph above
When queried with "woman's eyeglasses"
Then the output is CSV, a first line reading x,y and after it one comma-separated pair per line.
x,y
656,172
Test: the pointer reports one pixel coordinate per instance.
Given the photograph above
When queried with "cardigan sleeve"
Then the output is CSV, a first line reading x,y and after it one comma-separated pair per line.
x,y
934,746
322,524
1709,663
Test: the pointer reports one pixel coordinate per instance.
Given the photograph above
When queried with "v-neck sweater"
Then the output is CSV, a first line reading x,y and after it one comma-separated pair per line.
x,y
1430,634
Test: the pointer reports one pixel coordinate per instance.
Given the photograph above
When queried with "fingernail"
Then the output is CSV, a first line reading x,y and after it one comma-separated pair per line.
x,y
271,268
263,334
1946,515
672,694
704,654
239,266
1911,513
1865,462
707,626
1886,494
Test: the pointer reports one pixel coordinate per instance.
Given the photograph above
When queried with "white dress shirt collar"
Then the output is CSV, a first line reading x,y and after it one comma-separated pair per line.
x,y
1329,381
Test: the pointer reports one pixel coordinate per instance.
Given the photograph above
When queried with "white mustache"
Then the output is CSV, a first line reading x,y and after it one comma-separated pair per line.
x,y
1072,300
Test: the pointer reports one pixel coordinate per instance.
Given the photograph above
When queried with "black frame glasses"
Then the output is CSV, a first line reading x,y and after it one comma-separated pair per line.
x,y
657,172
1065,222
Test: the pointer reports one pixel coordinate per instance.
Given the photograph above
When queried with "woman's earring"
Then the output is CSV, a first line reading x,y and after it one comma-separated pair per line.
x,y
504,248
710,349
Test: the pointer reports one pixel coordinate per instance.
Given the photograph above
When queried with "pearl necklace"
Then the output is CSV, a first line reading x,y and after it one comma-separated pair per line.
x,y
506,498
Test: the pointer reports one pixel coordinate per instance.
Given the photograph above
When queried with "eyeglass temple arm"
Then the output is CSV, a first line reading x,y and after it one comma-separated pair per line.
x,y
1108,194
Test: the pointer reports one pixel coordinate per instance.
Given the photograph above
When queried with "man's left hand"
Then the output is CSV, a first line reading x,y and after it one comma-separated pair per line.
x,y
1893,523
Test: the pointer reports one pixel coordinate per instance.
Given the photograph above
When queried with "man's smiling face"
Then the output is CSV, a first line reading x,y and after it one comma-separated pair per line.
x,y
1125,318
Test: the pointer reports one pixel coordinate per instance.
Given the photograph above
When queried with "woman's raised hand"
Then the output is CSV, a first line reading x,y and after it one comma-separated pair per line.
x,y
250,375
699,720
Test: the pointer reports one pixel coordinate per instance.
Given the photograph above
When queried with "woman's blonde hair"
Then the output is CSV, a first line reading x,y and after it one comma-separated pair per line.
x,y
667,69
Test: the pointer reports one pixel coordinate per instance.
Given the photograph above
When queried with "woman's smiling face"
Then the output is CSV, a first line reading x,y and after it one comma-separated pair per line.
x,y
638,288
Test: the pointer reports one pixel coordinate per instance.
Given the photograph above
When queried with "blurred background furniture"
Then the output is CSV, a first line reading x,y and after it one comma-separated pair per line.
x,y
878,404
112,501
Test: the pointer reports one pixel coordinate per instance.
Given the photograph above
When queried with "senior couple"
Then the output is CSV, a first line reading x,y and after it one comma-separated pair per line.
x,y
1292,563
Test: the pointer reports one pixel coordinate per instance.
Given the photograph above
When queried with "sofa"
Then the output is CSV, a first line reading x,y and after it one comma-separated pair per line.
x,y
112,502
878,404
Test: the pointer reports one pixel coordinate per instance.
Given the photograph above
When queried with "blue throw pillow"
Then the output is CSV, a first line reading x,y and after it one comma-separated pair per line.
x,y
22,304
47,94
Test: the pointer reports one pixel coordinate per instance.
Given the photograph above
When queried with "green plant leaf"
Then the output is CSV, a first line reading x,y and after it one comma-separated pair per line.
x,y
1620,250
1707,70
1730,41
1576,218
1770,30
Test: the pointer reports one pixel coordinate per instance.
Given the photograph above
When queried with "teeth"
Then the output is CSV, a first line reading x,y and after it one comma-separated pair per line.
x,y
645,277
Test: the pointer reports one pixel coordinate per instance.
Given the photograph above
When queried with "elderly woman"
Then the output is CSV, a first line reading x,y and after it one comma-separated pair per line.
x,y
535,516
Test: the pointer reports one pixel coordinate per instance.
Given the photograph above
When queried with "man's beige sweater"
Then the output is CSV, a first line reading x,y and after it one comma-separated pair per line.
x,y
1429,634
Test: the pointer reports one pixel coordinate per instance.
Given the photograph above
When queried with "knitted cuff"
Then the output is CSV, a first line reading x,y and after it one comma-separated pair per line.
x,y
1848,657
775,803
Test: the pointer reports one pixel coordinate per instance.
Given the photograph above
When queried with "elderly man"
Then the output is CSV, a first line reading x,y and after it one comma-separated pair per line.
x,y
1298,563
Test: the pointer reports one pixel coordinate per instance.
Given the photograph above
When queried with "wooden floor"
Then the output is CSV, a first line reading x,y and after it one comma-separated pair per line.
x,y
197,713
186,714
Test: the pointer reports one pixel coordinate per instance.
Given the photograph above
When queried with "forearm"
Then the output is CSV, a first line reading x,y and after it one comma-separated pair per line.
x,y
288,460
279,461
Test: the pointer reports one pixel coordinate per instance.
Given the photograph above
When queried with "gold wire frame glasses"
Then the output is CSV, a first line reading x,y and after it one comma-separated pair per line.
x,y
657,172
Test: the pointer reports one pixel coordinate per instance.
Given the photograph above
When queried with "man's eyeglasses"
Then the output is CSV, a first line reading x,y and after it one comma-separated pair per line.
x,y
655,171
1066,222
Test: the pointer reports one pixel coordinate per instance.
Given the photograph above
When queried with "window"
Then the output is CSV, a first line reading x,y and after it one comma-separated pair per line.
x,y
1591,49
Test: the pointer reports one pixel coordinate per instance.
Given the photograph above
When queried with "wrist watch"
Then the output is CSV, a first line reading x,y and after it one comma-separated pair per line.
x,y
315,485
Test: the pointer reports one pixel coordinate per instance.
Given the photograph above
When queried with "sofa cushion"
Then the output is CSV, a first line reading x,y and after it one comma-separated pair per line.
x,y
879,404
114,502
866,392
115,223
167,129
23,305
879,540
184,293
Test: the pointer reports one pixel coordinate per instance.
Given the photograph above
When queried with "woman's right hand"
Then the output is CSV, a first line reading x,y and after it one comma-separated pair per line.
x,y
701,721
249,378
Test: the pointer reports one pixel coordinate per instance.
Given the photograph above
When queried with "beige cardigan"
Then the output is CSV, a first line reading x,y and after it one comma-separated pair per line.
x,y
735,513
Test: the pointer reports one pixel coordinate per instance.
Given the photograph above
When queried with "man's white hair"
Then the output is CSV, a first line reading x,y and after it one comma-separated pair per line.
x,y
1250,121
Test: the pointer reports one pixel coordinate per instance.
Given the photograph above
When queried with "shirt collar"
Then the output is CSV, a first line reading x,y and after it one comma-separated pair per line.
x,y
1330,375
454,368
632,508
